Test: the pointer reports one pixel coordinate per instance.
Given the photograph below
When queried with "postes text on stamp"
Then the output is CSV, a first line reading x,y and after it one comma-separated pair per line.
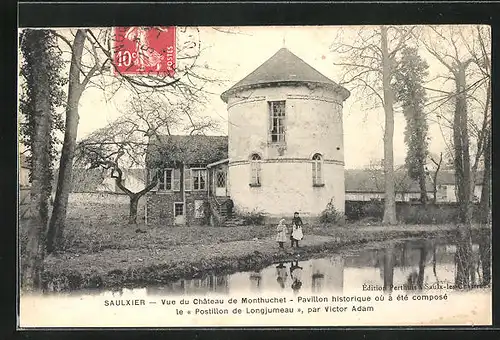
x,y
145,50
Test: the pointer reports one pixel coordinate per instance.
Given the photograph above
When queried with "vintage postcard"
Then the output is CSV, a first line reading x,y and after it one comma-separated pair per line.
x,y
255,176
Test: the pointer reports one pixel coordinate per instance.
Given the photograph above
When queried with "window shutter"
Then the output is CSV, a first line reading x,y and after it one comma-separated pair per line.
x,y
177,179
204,180
188,180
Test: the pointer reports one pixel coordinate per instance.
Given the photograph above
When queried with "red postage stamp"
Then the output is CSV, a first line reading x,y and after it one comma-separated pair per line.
x,y
145,50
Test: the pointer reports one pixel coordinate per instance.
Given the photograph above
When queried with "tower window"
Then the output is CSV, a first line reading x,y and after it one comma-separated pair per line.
x,y
277,116
255,170
317,170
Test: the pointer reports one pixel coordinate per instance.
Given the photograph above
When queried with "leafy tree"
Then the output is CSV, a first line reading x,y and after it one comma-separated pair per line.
x,y
410,92
41,94
28,83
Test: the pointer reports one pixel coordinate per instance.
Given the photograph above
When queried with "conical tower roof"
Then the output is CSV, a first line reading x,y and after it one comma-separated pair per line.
x,y
282,68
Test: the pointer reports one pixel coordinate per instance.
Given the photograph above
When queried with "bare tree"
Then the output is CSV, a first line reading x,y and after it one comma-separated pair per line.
x,y
437,161
456,49
464,53
76,86
369,61
92,65
124,142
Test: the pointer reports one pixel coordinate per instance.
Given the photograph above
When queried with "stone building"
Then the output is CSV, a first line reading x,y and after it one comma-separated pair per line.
x,y
181,196
284,150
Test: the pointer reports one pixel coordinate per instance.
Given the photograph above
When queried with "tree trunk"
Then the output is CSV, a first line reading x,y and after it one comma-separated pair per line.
x,y
389,197
388,269
134,200
75,88
485,256
32,266
134,197
420,124
435,177
464,274
421,267
461,148
423,189
484,213
485,202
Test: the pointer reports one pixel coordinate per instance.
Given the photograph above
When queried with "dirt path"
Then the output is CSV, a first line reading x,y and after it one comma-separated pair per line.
x,y
147,265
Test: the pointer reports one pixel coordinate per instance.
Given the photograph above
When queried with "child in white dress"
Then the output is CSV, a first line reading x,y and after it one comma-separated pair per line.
x,y
282,231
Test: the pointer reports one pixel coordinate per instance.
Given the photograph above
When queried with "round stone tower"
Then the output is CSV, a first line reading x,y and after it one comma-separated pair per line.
x,y
286,150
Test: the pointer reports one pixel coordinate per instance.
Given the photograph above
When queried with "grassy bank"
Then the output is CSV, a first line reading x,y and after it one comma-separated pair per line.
x,y
111,255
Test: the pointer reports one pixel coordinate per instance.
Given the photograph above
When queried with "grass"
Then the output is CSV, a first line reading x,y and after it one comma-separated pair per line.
x,y
112,254
84,237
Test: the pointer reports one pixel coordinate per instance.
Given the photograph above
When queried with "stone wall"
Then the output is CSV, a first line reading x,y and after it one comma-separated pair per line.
x,y
287,187
92,207
313,120
409,213
160,209
103,207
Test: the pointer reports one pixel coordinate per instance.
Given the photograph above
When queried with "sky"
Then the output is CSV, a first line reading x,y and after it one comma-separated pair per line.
x,y
237,55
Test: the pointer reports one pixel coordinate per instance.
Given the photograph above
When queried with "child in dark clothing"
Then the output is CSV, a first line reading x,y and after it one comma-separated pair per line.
x,y
297,233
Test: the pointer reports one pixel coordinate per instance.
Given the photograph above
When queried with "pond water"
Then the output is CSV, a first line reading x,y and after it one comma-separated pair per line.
x,y
406,265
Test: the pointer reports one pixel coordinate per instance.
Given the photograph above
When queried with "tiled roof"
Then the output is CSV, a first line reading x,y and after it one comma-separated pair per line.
x,y
195,149
363,180
284,67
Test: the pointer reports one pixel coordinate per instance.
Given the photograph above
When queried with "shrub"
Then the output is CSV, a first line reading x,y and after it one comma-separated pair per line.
x,y
252,217
374,209
428,214
332,215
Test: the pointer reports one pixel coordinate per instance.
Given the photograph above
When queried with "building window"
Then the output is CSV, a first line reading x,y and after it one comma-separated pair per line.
x,y
176,181
199,179
165,179
221,179
317,170
442,192
255,162
277,116
168,179
178,209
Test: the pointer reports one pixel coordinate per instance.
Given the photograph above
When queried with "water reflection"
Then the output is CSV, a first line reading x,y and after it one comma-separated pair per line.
x,y
281,275
296,275
414,265
255,279
210,283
